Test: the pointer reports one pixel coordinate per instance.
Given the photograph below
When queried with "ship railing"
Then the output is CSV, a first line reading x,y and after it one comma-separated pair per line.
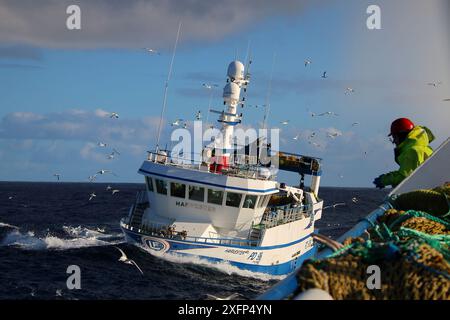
x,y
275,216
242,166
161,230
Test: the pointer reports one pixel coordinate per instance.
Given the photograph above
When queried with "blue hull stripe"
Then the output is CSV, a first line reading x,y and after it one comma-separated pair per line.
x,y
278,269
207,183
196,245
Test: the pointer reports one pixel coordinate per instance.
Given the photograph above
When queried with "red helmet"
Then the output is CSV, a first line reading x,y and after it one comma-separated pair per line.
x,y
401,125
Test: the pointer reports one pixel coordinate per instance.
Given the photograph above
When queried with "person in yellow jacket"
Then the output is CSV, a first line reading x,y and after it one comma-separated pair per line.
x,y
412,149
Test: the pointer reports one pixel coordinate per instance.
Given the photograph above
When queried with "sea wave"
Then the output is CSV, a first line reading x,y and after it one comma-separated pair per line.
x,y
81,237
224,267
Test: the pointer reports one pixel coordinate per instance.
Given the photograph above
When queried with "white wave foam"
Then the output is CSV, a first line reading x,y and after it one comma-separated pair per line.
x,y
224,266
84,232
30,241
7,225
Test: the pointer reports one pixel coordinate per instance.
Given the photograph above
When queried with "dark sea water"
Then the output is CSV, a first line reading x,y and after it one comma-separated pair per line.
x,y
45,227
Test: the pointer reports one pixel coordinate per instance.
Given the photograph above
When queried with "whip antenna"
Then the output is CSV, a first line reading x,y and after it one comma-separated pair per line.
x,y
166,87
269,89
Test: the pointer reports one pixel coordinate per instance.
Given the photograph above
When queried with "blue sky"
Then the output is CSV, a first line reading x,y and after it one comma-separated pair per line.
x,y
55,86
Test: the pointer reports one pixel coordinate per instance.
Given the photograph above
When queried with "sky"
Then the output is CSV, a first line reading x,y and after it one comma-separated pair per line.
x,y
57,86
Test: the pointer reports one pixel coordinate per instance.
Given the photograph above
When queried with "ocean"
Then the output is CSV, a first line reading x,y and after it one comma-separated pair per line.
x,y
46,227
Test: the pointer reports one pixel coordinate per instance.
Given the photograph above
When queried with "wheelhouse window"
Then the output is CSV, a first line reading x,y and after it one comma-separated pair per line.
x,y
250,201
196,193
215,196
149,182
161,186
263,201
177,190
233,199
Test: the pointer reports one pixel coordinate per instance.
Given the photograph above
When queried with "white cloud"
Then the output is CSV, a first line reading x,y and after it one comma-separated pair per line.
x,y
132,23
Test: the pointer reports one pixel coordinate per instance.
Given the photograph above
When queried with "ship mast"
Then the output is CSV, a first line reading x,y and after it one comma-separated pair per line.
x,y
231,98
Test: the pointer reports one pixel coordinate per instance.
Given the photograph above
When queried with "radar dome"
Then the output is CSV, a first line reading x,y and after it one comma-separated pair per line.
x,y
236,70
231,92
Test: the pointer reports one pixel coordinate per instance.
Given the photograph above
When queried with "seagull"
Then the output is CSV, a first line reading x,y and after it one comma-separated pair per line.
x,y
101,230
285,122
92,196
102,171
434,84
355,200
125,259
152,51
101,144
328,113
446,100
230,297
354,124
115,191
349,90
114,115
108,188
296,137
92,178
341,176
210,86
57,175
324,75
176,122
312,135
58,293
114,151
333,135
10,197
312,114
335,205
307,62
198,116
315,144
110,156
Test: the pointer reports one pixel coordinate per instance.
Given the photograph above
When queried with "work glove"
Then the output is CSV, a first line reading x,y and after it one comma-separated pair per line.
x,y
377,182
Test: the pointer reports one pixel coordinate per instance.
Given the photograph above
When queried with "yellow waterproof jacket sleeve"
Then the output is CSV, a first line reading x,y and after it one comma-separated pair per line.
x,y
411,154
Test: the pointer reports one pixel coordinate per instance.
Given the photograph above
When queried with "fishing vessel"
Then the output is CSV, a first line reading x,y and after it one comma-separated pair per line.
x,y
227,206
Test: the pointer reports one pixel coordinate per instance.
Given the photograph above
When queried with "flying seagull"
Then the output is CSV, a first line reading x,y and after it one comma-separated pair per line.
x,y
101,144
102,171
108,188
324,75
57,175
114,191
285,122
333,135
125,259
230,297
92,196
328,113
92,178
349,90
355,124
446,100
114,115
335,205
176,122
210,86
355,200
434,84
296,137
152,51
307,62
